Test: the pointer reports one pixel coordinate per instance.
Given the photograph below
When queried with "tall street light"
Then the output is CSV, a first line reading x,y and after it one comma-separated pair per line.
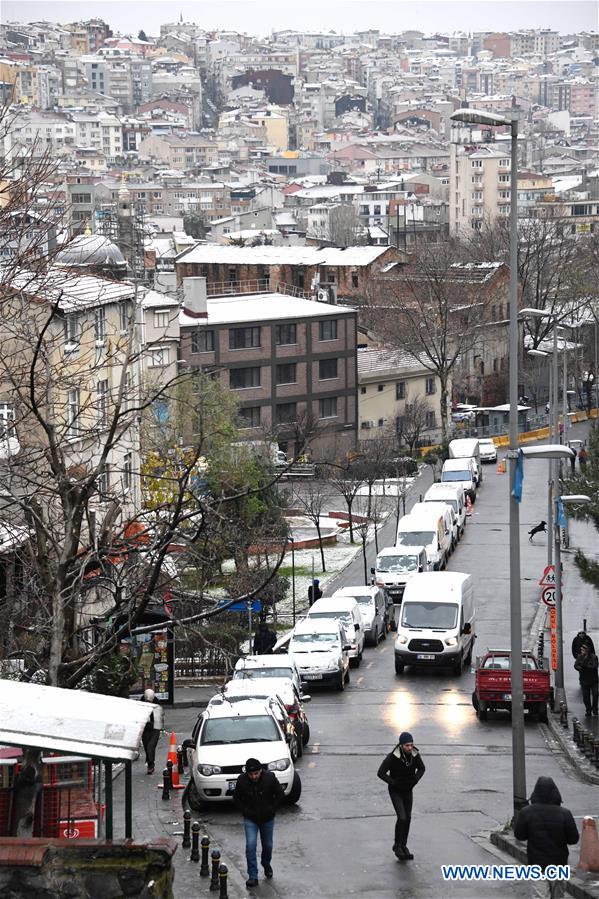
x,y
481,117
549,478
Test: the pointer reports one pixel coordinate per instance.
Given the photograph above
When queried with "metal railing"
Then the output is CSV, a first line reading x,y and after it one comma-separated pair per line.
x,y
254,285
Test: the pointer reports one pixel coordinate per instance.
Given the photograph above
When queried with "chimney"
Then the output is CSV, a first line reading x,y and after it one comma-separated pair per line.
x,y
195,297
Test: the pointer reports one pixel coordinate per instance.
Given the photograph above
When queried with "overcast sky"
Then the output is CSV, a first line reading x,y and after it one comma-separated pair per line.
x,y
261,16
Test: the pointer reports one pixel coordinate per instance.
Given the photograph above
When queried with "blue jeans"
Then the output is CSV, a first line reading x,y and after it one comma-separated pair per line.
x,y
251,840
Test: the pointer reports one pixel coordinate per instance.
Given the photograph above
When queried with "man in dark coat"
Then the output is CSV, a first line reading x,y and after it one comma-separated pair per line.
x,y
258,794
587,666
580,638
314,592
548,829
401,770
264,639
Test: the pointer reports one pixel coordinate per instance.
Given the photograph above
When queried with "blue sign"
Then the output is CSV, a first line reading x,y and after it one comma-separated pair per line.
x,y
241,606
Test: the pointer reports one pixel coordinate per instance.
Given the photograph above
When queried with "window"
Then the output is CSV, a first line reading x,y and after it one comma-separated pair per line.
x,y
127,392
362,390
327,369
242,378
331,278
128,471
102,403
354,279
286,374
286,412
202,341
381,422
103,482
100,324
158,357
73,409
244,338
327,330
431,387
7,420
504,179
400,390
477,163
376,209
504,163
431,420
161,320
286,335
327,408
380,387
249,417
124,317
71,330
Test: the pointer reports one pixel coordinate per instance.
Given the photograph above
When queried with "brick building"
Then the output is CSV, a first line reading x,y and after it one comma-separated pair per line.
x,y
348,271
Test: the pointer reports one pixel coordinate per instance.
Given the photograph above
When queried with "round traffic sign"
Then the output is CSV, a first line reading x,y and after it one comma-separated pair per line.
x,y
548,596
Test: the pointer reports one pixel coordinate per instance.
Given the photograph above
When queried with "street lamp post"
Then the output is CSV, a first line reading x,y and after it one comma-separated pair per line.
x,y
549,477
481,117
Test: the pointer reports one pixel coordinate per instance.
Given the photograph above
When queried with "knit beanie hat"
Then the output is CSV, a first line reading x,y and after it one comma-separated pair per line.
x,y
405,737
252,765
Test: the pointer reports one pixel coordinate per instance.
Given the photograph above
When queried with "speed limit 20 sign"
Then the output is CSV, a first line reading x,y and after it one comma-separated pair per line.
x,y
548,596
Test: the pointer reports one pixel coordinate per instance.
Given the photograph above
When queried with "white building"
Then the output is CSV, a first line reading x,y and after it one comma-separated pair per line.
x,y
479,182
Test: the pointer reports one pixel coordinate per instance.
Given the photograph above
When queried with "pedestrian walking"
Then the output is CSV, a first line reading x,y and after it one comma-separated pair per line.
x,y
580,638
264,639
151,731
314,591
258,794
548,830
401,770
587,666
573,460
582,458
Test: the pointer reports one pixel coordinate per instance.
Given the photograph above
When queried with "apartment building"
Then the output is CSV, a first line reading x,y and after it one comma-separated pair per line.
x,y
290,362
479,184
182,153
102,132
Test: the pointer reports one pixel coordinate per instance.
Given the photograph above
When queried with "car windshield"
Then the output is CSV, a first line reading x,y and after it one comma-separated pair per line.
x,y
397,563
434,615
321,639
240,729
263,672
341,615
442,499
415,538
364,600
456,476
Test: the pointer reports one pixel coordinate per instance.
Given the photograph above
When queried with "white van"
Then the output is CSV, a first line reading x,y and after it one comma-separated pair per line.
x,y
411,532
426,511
373,609
453,495
460,472
395,565
468,448
347,611
437,621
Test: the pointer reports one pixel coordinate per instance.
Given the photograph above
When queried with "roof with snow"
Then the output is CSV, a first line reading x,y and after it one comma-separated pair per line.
x,y
331,256
263,307
384,360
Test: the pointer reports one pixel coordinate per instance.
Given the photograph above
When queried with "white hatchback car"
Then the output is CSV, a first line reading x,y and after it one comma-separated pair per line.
x,y
275,665
226,734
487,450
321,650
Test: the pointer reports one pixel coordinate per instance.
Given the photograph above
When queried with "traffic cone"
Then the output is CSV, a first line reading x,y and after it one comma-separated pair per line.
x,y
500,467
174,759
589,846
468,506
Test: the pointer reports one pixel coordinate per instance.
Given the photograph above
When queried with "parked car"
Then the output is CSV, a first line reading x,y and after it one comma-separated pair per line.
x,y
488,450
437,622
225,735
493,684
240,693
346,610
453,495
394,566
278,665
321,651
285,690
373,609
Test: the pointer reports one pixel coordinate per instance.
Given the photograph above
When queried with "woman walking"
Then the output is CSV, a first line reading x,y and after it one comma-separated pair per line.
x,y
401,770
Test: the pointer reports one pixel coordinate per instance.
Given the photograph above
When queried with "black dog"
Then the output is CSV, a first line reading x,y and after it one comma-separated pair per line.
x,y
539,529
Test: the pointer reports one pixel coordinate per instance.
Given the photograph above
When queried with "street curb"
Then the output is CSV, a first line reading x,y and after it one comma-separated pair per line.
x,y
578,885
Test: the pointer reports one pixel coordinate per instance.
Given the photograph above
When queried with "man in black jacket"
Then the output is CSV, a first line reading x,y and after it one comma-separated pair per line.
x,y
258,794
587,666
579,640
401,770
549,829
264,639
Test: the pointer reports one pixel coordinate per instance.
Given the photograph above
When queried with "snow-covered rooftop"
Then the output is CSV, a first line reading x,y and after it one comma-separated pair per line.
x,y
262,308
332,256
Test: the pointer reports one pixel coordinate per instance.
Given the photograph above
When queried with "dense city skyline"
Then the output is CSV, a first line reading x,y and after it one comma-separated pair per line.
x,y
258,17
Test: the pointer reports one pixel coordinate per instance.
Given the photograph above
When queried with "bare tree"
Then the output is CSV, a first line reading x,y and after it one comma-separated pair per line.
x,y
347,481
311,501
412,423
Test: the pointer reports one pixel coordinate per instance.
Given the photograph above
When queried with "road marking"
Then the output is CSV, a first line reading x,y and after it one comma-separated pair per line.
x,y
315,748
369,665
360,679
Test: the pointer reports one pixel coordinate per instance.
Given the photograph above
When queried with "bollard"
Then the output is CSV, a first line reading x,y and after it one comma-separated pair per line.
x,y
563,715
195,842
204,867
223,876
588,744
575,725
186,830
169,765
215,866
180,759
583,742
166,784
596,758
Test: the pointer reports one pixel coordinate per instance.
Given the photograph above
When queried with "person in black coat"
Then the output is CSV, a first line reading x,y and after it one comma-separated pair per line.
x,y
548,829
401,770
580,638
258,794
314,592
264,639
587,666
